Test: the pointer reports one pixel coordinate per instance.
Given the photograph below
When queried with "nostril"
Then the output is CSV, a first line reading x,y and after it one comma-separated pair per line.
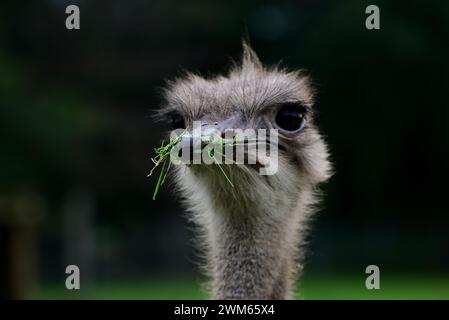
x,y
228,133
204,143
186,146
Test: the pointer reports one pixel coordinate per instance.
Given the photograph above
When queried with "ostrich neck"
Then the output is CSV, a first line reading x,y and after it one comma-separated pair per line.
x,y
252,250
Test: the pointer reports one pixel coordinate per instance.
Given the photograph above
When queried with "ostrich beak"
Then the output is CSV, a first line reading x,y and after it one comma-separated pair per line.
x,y
231,123
222,142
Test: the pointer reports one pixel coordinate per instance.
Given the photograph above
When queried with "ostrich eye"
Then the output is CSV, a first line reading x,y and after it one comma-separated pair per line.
x,y
291,117
177,121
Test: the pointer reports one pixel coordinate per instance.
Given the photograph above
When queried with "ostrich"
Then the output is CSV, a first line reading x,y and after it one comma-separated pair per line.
x,y
252,234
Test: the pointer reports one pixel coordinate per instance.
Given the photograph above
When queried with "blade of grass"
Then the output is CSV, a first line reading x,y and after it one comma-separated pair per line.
x,y
158,184
162,156
222,171
166,172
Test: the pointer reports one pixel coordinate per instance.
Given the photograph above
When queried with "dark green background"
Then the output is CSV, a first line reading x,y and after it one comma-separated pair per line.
x,y
76,136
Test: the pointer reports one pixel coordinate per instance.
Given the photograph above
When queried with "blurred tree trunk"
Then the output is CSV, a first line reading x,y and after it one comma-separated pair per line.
x,y
19,271
5,282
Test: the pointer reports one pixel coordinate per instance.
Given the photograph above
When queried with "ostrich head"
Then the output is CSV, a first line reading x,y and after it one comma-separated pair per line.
x,y
251,231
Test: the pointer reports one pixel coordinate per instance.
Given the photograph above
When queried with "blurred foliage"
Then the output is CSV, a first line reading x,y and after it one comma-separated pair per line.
x,y
74,109
327,287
